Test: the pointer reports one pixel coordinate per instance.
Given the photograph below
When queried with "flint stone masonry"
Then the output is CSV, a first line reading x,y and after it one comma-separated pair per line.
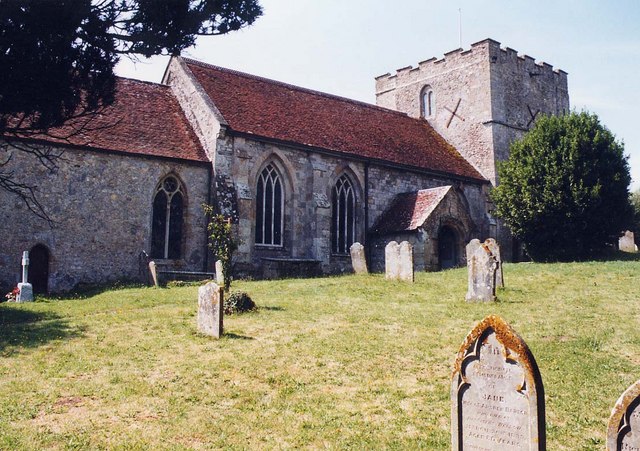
x,y
481,267
358,259
494,248
623,432
101,209
626,243
497,396
210,309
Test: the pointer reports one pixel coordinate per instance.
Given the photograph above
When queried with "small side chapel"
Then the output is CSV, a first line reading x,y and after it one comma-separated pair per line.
x,y
302,174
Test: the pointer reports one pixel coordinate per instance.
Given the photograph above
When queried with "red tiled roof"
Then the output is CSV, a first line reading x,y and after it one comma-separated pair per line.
x,y
408,211
275,110
144,119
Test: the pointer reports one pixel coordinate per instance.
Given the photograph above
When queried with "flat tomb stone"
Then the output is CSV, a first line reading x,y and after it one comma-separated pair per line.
x,y
497,396
623,433
210,309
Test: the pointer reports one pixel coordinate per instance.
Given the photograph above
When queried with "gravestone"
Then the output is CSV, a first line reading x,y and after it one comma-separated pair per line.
x,y
153,270
25,289
358,259
481,267
210,309
406,261
626,243
623,432
497,396
219,272
391,260
494,247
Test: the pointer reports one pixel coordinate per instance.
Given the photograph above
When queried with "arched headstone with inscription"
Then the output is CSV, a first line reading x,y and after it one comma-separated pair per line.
x,y
623,432
497,397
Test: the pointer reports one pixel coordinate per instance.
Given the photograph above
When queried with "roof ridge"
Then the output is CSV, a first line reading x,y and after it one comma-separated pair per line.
x,y
146,82
294,87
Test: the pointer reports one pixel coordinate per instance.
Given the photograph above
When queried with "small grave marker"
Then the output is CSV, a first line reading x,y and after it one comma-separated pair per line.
x,y
626,243
497,397
25,293
481,267
623,432
406,261
219,272
391,260
494,247
358,259
210,309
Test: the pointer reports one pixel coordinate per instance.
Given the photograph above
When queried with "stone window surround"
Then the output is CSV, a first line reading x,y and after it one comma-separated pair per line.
x,y
181,189
427,102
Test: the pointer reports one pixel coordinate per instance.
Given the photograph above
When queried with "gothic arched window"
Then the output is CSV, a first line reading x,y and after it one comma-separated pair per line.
x,y
269,208
343,222
428,102
168,215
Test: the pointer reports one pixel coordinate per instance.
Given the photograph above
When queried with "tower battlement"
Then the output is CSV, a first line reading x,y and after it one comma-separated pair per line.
x,y
487,49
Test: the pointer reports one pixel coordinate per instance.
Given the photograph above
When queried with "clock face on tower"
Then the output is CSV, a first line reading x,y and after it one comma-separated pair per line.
x,y
454,113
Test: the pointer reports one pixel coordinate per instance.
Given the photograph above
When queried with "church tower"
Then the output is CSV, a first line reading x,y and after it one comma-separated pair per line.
x,y
480,100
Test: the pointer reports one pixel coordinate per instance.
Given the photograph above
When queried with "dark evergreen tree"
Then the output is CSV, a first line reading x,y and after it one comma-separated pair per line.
x,y
57,59
564,191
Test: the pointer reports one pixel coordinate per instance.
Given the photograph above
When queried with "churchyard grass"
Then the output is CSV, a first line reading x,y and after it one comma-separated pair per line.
x,y
339,362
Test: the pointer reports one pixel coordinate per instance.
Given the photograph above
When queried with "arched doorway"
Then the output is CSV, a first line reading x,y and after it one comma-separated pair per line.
x,y
447,248
39,268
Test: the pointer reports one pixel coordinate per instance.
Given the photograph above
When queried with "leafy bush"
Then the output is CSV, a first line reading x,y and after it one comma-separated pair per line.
x,y
238,302
564,189
221,240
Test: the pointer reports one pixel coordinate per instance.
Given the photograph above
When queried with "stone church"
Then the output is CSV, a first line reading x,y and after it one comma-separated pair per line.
x,y
302,174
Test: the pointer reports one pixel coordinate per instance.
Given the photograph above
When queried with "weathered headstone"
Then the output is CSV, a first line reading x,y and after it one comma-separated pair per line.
x,y
497,396
481,267
25,289
210,309
358,258
406,261
494,247
391,260
623,432
626,243
219,272
154,273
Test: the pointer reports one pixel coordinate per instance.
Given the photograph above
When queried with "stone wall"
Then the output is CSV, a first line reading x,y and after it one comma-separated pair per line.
x,y
495,94
101,207
309,178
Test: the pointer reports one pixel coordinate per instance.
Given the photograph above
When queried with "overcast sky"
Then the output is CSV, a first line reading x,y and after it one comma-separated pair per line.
x,y
339,46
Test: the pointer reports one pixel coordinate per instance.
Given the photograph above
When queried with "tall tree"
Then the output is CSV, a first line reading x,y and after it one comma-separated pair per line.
x,y
57,58
564,191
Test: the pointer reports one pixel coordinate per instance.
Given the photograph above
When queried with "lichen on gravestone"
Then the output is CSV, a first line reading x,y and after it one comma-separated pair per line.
x,y
497,396
623,432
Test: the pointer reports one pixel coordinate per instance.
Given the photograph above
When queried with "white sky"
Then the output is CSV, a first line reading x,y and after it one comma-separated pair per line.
x,y
339,46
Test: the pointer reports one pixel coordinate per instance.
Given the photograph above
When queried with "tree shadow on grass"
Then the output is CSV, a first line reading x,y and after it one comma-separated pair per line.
x,y
271,308
233,336
27,329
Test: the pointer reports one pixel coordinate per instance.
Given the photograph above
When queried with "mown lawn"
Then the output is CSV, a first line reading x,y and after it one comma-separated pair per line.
x,y
343,362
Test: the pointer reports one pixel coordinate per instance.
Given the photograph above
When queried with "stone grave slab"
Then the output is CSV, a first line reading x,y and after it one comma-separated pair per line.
x,y
497,396
391,260
494,247
406,262
623,433
210,309
626,243
358,258
481,267
219,272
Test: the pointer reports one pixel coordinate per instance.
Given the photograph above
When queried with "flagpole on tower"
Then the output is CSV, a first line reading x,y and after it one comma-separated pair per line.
x,y
460,26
